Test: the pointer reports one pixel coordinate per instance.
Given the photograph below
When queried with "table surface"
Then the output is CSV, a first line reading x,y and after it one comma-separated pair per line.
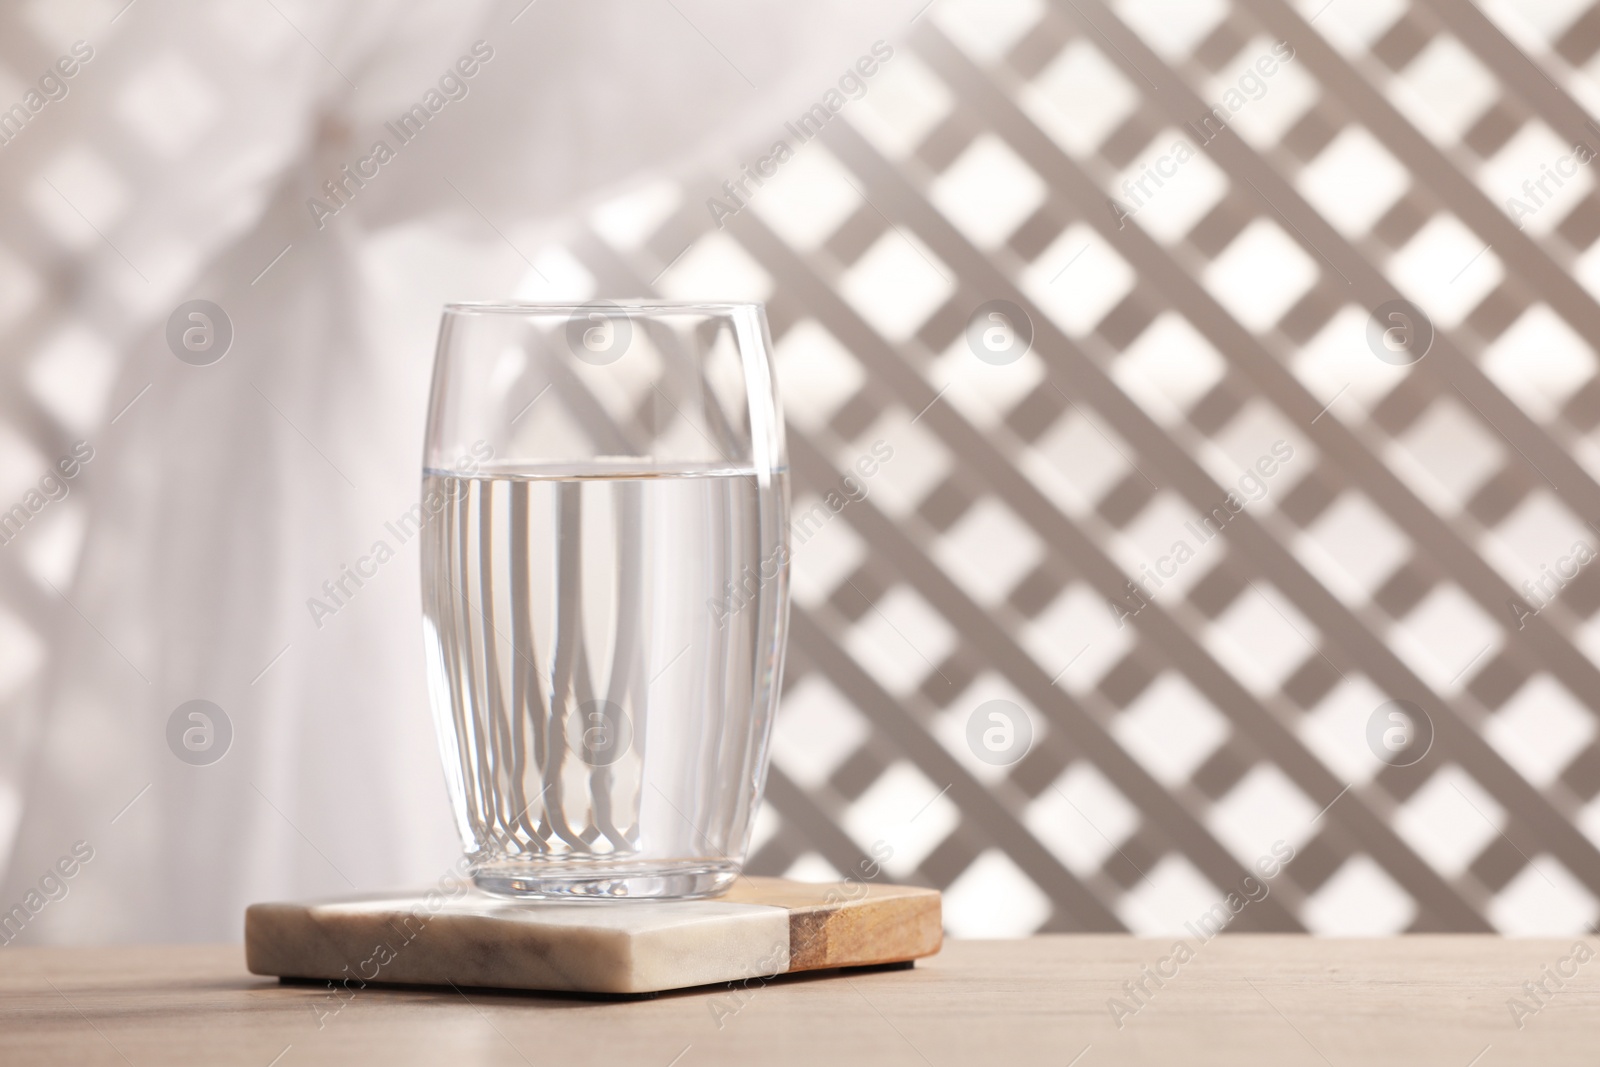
x,y
1239,999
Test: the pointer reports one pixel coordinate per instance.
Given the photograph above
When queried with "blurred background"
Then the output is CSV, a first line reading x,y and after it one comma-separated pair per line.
x,y
1230,359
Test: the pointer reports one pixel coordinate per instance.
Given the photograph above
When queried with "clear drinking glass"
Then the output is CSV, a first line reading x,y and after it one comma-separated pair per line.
x,y
605,590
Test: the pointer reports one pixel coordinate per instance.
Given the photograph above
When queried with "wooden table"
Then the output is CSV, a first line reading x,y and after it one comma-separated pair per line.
x,y
1240,999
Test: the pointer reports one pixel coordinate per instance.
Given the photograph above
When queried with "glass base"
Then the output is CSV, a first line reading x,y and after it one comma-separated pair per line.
x,y
579,881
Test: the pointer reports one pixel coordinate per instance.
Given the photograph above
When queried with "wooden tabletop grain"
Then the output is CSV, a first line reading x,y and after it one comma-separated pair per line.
x,y
1239,999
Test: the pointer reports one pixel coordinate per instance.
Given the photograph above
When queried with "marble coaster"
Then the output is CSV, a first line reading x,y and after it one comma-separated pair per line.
x,y
760,928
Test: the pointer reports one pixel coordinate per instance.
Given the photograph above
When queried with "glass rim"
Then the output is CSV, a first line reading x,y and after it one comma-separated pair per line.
x,y
643,304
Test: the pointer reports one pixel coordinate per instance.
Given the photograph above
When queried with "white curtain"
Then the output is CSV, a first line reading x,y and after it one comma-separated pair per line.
x,y
219,498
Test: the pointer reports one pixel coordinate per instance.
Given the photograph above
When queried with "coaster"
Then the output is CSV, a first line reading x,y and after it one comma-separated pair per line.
x,y
760,928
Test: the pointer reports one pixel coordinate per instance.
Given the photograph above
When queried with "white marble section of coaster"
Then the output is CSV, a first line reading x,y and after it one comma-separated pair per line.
x,y
477,940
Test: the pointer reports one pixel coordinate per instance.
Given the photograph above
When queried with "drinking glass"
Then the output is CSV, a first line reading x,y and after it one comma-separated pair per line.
x,y
605,587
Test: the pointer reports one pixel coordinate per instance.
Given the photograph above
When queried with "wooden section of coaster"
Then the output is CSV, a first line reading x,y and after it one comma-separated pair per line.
x,y
849,924
763,927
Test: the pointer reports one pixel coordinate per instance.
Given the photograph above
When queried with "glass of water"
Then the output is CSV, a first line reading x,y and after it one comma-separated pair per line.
x,y
605,589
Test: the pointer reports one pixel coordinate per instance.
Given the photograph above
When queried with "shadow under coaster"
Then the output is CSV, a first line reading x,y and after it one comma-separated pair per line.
x,y
760,928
